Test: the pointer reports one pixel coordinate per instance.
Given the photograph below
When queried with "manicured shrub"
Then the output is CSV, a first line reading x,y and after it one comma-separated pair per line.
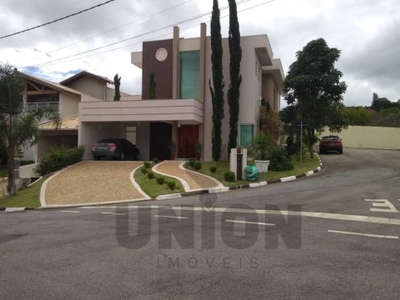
x,y
192,160
197,165
279,160
160,180
229,176
59,158
171,185
213,169
144,171
155,160
147,165
150,175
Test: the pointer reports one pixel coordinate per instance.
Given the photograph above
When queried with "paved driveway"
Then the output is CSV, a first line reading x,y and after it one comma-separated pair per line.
x,y
93,182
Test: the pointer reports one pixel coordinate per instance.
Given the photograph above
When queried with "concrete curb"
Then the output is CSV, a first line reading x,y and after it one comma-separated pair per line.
x,y
16,209
185,194
254,184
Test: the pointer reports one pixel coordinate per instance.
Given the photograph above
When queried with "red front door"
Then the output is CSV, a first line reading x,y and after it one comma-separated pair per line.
x,y
188,136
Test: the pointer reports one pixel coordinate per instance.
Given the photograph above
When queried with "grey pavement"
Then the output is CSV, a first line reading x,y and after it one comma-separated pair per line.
x,y
95,253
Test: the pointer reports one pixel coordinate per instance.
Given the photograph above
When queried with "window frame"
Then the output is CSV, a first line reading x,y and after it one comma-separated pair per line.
x,y
240,134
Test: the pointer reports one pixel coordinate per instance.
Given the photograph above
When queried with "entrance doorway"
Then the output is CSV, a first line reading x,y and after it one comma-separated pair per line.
x,y
160,138
188,135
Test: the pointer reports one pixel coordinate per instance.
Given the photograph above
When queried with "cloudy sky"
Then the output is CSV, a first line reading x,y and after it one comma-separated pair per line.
x,y
365,31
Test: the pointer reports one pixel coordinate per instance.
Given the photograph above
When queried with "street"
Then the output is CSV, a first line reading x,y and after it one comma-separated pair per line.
x,y
334,235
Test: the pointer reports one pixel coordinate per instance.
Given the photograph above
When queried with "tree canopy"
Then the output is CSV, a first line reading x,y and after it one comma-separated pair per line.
x,y
117,83
217,88
313,89
235,51
17,126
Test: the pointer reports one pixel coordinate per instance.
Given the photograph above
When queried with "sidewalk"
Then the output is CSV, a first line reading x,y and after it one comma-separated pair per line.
x,y
190,180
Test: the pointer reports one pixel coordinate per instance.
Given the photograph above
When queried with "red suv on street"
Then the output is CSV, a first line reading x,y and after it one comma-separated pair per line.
x,y
330,143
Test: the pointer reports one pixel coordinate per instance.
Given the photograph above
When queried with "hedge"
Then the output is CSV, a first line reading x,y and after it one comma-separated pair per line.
x,y
59,158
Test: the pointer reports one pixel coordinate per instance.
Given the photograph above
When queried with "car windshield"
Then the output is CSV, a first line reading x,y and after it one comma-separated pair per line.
x,y
331,137
116,141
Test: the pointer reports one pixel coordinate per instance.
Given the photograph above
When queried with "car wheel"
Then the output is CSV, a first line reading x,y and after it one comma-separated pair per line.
x,y
121,156
97,157
321,151
341,151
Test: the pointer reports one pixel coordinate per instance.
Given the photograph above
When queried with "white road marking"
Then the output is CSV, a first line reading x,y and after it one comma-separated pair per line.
x,y
170,217
319,215
390,208
71,211
366,234
112,213
246,222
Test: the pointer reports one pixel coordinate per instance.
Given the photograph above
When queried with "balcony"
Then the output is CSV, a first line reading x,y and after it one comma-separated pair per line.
x,y
187,110
35,106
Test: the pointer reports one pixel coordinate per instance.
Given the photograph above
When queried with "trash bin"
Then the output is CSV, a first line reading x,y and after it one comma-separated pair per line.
x,y
251,172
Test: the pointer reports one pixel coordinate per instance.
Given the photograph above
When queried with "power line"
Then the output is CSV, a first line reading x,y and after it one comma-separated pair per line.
x,y
107,31
240,11
140,35
56,20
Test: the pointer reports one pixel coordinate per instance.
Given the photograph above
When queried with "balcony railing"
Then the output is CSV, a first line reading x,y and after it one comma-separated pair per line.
x,y
35,106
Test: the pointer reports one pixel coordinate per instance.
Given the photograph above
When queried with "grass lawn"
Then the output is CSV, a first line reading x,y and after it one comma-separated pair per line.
x,y
29,197
152,188
223,167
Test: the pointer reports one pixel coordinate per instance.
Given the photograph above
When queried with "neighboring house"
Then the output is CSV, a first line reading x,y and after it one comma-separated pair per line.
x,y
182,110
65,98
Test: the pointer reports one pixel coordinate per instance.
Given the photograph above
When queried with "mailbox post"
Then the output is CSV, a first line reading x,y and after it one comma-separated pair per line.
x,y
239,166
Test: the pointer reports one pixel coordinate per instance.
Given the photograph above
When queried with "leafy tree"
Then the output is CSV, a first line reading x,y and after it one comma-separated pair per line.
x,y
289,118
382,103
117,83
389,117
152,86
270,123
358,116
18,127
314,88
217,93
235,76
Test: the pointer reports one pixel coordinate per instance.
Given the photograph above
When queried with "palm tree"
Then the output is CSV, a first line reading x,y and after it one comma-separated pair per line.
x,y
17,126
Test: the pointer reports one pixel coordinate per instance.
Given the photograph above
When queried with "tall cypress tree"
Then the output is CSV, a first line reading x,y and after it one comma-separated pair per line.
x,y
217,93
235,51
117,83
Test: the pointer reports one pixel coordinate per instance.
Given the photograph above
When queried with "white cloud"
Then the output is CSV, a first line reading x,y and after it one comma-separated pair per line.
x,y
366,33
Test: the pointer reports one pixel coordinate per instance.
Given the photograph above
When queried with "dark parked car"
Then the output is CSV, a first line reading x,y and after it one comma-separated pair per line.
x,y
120,149
330,143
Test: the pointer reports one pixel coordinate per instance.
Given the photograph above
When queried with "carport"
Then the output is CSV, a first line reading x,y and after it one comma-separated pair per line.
x,y
137,133
149,124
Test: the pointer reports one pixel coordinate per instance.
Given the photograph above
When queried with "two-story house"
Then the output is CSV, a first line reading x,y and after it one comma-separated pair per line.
x,y
181,110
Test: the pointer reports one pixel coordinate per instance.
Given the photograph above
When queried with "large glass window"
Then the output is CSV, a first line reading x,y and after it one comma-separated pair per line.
x,y
190,75
246,135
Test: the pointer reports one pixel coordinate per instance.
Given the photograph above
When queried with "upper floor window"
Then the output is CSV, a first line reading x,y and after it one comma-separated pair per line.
x,y
44,101
190,75
246,135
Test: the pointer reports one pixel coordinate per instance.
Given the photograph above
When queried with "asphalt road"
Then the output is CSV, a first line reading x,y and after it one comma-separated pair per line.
x,y
328,241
